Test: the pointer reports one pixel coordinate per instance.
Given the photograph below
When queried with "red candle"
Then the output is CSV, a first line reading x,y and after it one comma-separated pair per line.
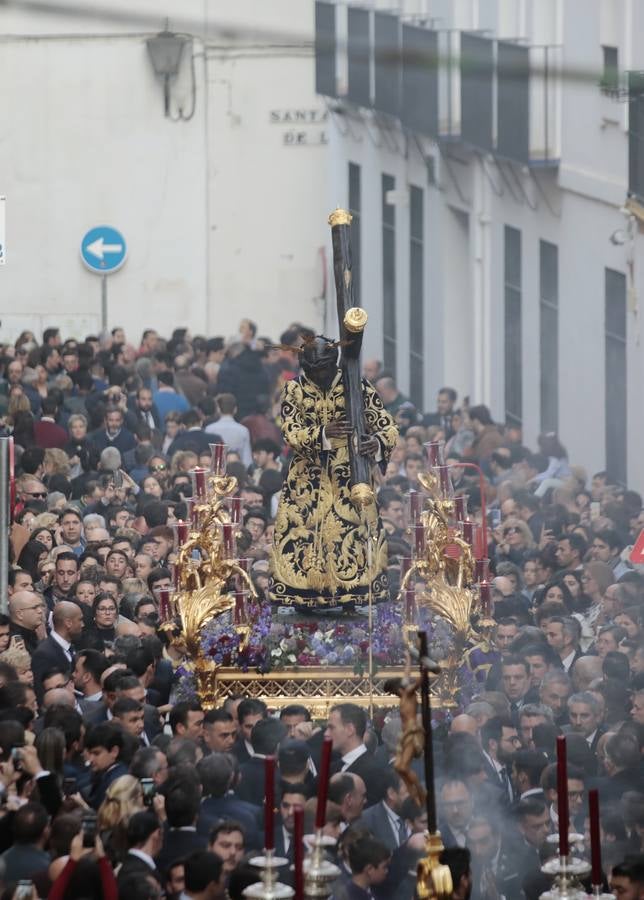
x,y
182,532
236,510
218,454
323,783
175,570
562,796
468,532
298,852
240,611
434,453
164,604
419,539
245,564
199,479
190,510
414,507
595,839
459,508
229,540
269,803
480,546
481,569
12,478
444,480
405,566
484,591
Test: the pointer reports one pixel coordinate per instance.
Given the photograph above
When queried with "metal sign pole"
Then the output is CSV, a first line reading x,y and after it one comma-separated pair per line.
x,y
104,303
4,524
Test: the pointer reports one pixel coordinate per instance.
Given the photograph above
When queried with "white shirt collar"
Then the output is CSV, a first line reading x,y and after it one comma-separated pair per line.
x,y
591,738
495,765
61,641
144,856
95,698
530,793
352,755
567,661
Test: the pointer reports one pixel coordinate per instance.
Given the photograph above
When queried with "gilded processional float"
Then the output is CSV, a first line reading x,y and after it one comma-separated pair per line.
x,y
307,643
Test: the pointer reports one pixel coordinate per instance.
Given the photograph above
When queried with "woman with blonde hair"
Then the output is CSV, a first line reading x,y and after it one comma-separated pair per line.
x,y
18,403
123,798
20,658
514,540
56,462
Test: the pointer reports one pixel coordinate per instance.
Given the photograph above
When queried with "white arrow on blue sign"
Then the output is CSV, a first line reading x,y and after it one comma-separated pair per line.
x,y
103,250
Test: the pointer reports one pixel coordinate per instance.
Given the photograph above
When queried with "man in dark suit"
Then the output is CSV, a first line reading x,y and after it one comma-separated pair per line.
x,y
30,834
145,839
26,617
181,838
384,819
293,795
444,412
58,688
264,738
56,650
534,825
217,773
622,761
585,713
499,741
346,726
494,869
563,634
249,712
113,433
455,812
103,745
122,683
142,408
192,436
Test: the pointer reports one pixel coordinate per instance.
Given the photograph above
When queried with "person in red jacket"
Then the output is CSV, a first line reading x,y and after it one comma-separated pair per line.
x,y
47,433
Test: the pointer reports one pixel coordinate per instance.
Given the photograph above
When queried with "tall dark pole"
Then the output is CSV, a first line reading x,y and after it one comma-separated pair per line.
x,y
426,710
352,321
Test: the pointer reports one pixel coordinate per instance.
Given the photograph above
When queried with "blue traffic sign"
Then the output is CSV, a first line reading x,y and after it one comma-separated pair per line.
x,y
103,250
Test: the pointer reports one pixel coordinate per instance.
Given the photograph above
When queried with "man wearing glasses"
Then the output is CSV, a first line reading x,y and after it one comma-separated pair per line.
x,y
27,615
31,488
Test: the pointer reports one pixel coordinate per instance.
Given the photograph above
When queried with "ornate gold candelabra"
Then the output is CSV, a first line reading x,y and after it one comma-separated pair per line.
x,y
207,571
444,563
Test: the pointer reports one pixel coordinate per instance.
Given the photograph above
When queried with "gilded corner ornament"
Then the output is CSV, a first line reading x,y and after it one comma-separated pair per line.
x,y
340,217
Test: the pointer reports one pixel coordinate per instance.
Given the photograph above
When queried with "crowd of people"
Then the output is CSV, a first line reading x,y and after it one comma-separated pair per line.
x,y
110,788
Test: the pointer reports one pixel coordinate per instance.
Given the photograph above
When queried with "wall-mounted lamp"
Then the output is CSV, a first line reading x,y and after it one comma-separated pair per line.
x,y
165,51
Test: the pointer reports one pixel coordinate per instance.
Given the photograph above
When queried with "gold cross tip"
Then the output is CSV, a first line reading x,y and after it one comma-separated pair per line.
x,y
340,216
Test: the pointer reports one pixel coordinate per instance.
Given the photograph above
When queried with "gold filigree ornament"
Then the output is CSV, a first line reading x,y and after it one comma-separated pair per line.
x,y
206,565
444,590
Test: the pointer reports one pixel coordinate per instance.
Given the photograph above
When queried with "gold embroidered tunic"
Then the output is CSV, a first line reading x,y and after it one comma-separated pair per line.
x,y
319,555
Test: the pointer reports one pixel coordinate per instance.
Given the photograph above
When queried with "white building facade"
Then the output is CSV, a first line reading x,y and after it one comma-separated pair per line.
x,y
483,146
220,202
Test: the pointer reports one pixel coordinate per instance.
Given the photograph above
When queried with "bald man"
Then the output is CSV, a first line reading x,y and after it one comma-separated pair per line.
x,y
27,615
585,671
56,651
464,724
